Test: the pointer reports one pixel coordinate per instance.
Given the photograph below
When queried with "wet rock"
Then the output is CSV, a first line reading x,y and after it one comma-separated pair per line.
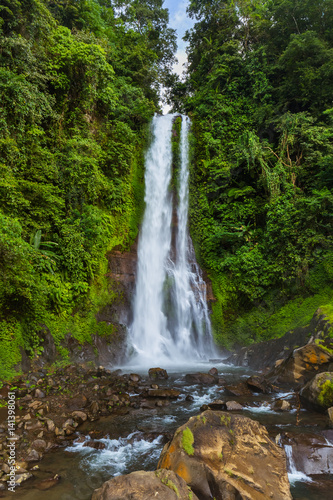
x,y
312,453
157,374
46,484
77,403
218,404
97,445
39,444
213,371
134,377
21,478
79,416
200,378
94,408
219,453
163,393
317,394
33,456
301,365
330,416
240,389
141,485
233,406
204,408
69,423
221,381
281,405
189,398
258,384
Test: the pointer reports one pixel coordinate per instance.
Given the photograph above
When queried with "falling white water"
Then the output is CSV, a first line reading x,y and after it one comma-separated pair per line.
x,y
171,320
294,475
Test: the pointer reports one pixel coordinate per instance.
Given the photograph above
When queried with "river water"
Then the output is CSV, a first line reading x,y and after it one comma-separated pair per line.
x,y
134,438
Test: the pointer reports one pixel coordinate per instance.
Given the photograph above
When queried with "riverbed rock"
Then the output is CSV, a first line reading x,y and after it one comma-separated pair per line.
x,y
317,394
48,483
79,416
157,374
233,406
281,405
134,377
220,454
97,445
240,389
214,372
311,453
200,378
141,485
218,404
330,416
301,366
163,393
258,384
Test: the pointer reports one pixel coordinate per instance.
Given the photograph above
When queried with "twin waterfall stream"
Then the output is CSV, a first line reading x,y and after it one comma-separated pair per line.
x,y
171,321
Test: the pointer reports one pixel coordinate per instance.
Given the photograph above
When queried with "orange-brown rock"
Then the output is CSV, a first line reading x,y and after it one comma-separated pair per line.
x,y
227,456
301,366
141,485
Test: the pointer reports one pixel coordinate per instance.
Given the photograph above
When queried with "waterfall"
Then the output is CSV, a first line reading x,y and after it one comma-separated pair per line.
x,y
294,475
170,316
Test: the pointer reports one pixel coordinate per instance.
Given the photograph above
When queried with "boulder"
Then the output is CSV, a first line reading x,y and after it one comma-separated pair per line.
x,y
258,384
317,394
311,453
157,374
141,485
223,455
214,372
240,389
301,365
200,378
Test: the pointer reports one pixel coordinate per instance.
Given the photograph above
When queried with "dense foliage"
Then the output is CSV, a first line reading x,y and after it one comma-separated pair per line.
x,y
259,89
79,81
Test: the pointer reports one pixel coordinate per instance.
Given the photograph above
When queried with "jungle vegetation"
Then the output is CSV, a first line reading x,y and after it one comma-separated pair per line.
x,y
259,89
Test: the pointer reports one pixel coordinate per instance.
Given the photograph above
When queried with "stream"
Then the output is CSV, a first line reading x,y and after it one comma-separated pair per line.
x,y
134,438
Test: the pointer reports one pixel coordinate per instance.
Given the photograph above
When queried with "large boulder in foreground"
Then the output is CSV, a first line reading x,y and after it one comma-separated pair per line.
x,y
317,394
301,365
227,457
141,485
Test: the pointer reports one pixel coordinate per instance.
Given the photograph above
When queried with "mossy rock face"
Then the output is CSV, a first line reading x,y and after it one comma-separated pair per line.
x,y
141,485
213,451
318,393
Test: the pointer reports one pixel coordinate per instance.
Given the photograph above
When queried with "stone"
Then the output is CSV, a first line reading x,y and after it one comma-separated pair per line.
x,y
33,456
312,453
134,377
218,404
301,366
189,398
50,425
233,406
281,405
48,483
258,384
200,378
69,423
21,478
330,416
163,393
227,456
240,389
154,386
39,444
39,394
142,485
214,372
157,374
317,394
79,416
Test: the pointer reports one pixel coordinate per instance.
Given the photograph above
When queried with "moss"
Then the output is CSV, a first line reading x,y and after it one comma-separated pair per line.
x,y
325,397
187,441
171,485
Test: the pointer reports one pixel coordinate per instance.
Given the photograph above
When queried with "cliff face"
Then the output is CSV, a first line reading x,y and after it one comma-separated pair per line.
x,y
121,273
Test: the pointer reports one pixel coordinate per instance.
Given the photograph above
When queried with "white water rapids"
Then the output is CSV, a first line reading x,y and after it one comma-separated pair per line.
x,y
171,320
